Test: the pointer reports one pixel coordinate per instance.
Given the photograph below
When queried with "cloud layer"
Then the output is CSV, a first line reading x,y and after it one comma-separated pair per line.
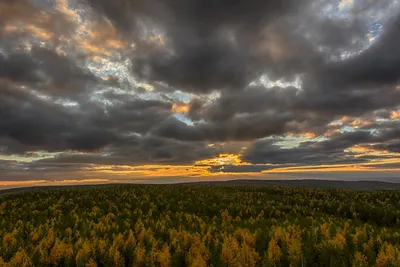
x,y
277,84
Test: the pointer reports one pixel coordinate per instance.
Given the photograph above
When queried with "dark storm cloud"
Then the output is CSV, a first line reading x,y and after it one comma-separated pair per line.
x,y
243,128
393,146
30,123
201,69
254,100
258,112
7,165
19,67
203,17
262,152
330,151
377,66
350,102
153,149
225,44
137,150
385,166
45,70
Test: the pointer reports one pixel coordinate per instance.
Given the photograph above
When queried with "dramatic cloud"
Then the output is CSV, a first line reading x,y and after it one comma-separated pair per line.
x,y
94,89
333,150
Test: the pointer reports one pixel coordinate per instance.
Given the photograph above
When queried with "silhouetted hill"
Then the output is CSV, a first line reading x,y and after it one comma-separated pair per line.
x,y
350,185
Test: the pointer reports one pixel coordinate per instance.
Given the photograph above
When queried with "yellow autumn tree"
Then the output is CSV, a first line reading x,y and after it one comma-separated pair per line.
x,y
164,257
117,258
20,259
9,239
91,263
294,249
60,251
359,260
130,242
230,248
198,252
248,256
274,253
114,252
338,241
139,254
84,254
387,256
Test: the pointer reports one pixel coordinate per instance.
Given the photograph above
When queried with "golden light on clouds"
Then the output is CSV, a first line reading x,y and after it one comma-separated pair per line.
x,y
180,108
35,31
147,171
360,123
11,10
95,38
21,16
158,40
21,183
223,159
38,32
339,167
395,115
310,135
63,8
369,151
10,28
99,41
349,121
318,168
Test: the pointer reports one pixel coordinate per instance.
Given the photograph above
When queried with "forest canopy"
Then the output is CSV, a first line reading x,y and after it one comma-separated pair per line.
x,y
200,225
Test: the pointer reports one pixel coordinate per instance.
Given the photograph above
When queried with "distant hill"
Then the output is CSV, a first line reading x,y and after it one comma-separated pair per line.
x,y
350,185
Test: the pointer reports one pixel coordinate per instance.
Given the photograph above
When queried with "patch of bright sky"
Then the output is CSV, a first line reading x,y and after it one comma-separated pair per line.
x,y
185,97
289,142
67,103
347,129
175,96
39,95
213,96
382,119
97,96
265,81
110,66
37,156
183,119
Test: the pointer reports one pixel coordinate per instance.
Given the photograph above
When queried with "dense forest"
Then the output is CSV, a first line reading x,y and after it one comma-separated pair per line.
x,y
200,225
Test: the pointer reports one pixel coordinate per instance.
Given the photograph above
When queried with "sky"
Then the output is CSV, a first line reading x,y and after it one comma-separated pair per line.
x,y
159,91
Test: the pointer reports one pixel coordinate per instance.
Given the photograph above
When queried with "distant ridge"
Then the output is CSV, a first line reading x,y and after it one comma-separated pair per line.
x,y
338,184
